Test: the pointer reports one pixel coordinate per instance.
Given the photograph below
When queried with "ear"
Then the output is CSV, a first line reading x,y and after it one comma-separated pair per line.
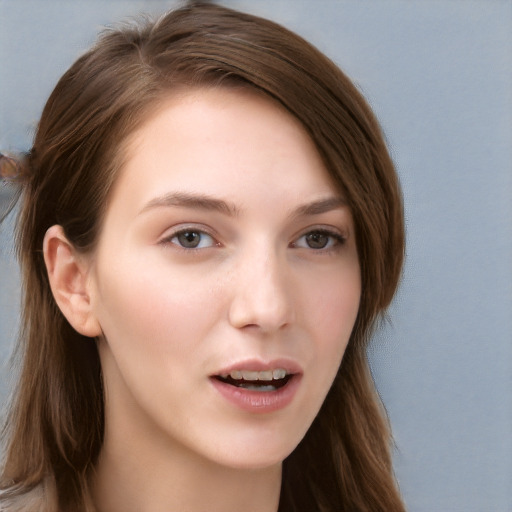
x,y
68,273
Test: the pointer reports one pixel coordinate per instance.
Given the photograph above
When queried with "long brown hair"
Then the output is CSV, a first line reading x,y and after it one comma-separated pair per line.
x,y
55,425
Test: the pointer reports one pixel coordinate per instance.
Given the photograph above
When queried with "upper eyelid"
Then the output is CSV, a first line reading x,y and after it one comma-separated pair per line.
x,y
340,237
328,230
339,232
172,232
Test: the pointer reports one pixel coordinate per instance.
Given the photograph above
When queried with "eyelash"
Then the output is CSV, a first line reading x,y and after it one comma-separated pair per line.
x,y
191,230
336,240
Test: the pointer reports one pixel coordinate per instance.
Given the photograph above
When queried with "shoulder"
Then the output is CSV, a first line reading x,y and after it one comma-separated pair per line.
x,y
37,499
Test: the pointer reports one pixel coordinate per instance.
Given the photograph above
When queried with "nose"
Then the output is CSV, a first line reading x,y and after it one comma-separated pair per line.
x,y
262,297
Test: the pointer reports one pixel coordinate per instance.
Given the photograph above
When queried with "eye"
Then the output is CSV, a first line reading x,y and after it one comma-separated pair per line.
x,y
191,239
319,239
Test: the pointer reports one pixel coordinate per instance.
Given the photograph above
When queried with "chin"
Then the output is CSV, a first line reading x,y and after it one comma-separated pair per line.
x,y
260,453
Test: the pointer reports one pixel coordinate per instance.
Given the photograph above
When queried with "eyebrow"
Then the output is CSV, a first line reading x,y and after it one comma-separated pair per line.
x,y
320,206
208,203
193,201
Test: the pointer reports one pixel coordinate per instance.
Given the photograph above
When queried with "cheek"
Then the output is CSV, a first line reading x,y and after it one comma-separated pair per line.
x,y
330,316
333,308
152,306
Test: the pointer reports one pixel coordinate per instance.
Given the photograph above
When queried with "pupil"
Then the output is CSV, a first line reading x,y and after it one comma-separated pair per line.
x,y
317,240
189,239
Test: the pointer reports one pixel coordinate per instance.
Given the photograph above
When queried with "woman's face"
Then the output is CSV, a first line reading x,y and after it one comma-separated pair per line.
x,y
226,256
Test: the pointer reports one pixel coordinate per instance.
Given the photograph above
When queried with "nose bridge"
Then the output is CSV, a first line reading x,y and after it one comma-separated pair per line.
x,y
261,297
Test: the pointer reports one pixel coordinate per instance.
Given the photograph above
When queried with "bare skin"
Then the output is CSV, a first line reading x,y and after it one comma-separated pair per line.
x,y
225,248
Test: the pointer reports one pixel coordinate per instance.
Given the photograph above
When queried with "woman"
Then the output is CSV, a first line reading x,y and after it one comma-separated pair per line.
x,y
210,227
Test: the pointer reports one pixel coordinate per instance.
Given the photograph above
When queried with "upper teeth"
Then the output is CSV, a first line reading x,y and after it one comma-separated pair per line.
x,y
276,374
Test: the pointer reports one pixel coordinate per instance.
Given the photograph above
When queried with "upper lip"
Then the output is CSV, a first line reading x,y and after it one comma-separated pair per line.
x,y
257,365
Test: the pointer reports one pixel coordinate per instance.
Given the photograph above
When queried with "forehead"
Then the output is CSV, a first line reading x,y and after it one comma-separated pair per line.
x,y
221,141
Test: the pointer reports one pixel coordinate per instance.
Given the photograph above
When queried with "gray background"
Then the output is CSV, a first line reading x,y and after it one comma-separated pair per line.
x,y
439,76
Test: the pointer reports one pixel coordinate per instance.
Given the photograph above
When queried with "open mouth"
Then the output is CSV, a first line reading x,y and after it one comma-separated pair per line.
x,y
270,389
269,380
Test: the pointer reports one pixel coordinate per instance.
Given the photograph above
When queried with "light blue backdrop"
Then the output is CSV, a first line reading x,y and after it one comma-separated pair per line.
x,y
439,76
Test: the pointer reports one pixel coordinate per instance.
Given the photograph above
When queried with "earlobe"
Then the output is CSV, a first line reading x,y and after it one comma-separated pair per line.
x,y
68,273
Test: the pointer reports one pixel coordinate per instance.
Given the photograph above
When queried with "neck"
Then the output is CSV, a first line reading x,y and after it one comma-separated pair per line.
x,y
147,478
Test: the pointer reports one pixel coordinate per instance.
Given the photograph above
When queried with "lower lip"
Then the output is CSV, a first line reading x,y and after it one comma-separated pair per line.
x,y
258,401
